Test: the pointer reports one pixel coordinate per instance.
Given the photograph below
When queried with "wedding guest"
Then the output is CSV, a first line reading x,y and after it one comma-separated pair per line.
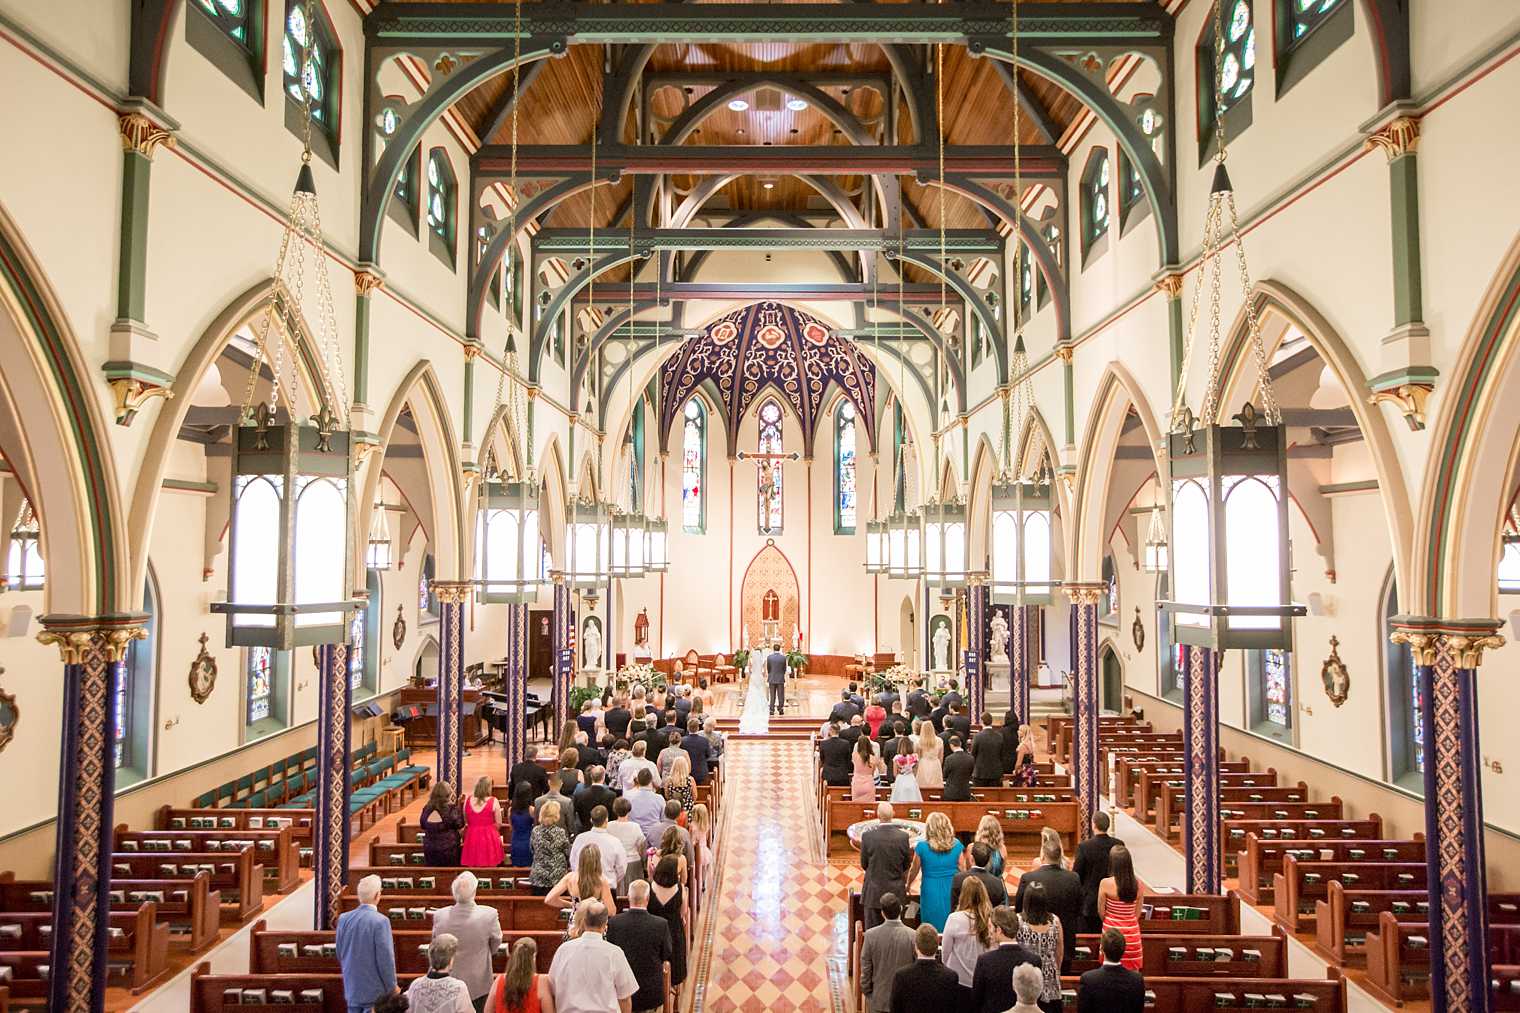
x,y
936,857
968,932
520,989
866,765
551,849
1040,933
1119,899
990,832
439,991
581,884
441,823
482,833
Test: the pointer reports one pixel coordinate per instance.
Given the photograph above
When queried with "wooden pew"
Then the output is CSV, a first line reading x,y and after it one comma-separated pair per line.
x,y
1300,884
1398,960
276,952
1059,729
308,993
1505,979
1028,818
1153,778
1200,995
299,821
1190,914
1198,955
1233,832
1343,919
276,849
189,905
1127,770
1503,944
1171,807
139,943
26,972
1330,809
236,875
426,880
1260,859
517,912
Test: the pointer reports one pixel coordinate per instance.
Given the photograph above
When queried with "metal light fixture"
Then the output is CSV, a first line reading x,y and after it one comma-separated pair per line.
x,y
629,534
290,522
588,548
381,552
1228,483
656,545
1022,542
1155,555
508,540
738,105
876,547
945,543
905,540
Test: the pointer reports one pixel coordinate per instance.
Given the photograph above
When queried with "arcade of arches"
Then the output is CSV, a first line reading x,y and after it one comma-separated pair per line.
x,y
812,288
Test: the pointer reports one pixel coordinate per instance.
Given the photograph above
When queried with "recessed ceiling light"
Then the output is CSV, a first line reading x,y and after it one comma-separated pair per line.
x,y
769,184
738,105
796,104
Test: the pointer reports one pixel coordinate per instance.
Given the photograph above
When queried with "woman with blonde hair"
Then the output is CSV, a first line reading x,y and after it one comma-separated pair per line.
x,y
584,882
931,755
520,988
990,832
938,857
968,931
671,846
567,734
482,829
1024,772
701,838
551,849
680,785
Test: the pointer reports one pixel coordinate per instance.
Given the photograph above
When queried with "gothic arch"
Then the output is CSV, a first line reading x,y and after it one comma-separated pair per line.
x,y
770,570
1117,392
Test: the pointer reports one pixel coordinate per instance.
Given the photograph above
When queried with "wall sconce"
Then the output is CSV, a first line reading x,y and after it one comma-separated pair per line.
x,y
171,722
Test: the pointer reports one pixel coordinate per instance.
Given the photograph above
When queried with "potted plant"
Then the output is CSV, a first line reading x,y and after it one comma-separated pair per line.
x,y
796,661
580,694
741,658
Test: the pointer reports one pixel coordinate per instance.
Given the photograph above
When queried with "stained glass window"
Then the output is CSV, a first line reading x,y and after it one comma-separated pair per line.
x,y
693,467
1304,16
1416,718
440,198
1179,667
231,16
121,688
1052,233
1509,568
1274,686
1110,603
1230,62
769,483
310,61
406,188
260,683
1097,213
356,652
427,601
844,470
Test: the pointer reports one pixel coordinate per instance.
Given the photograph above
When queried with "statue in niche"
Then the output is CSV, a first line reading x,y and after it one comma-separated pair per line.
x,y
941,643
997,646
591,644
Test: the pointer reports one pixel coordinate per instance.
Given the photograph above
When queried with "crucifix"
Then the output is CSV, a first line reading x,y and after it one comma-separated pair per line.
x,y
767,474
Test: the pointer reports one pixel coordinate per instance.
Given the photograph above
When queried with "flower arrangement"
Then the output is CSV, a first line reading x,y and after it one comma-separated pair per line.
x,y
638,674
892,678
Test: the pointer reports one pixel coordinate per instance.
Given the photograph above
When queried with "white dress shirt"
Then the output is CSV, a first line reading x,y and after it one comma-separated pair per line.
x,y
614,856
629,769
590,975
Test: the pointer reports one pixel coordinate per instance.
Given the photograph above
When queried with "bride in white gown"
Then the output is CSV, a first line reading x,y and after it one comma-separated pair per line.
x,y
755,718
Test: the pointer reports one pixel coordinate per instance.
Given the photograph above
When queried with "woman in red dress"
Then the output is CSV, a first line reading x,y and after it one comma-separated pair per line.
x,y
1119,904
482,829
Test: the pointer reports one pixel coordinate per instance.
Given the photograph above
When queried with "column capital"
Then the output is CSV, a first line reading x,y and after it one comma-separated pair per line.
x,y
451,592
1396,138
1170,284
1064,353
1464,639
76,636
1083,592
366,280
141,135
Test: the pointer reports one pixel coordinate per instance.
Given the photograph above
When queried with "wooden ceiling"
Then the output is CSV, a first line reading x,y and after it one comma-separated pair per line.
x,y
563,103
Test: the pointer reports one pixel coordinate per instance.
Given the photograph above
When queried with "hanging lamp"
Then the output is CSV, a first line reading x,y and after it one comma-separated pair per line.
x,y
1154,559
905,533
290,521
1229,553
1022,507
380,554
876,528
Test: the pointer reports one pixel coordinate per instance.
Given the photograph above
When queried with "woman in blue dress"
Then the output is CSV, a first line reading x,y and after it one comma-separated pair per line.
x,y
938,857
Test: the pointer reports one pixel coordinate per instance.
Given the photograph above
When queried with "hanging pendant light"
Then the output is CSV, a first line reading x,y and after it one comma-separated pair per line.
x,y
588,536
1022,508
1229,553
290,518
1154,559
380,554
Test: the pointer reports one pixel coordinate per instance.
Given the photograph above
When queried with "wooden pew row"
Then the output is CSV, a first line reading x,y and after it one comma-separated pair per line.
x,y
1154,777
139,943
1343,919
276,849
1198,995
1059,730
517,912
1197,956
276,952
189,905
1300,884
299,821
1026,821
1261,859
1505,979
1233,832
237,876
434,880
1127,770
1170,805
1398,951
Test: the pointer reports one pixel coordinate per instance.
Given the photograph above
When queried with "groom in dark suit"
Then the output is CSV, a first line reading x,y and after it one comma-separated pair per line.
x,y
775,678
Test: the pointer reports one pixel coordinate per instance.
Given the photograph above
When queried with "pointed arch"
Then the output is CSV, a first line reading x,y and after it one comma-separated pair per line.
x,y
1272,298
503,427
1116,394
555,498
984,471
435,432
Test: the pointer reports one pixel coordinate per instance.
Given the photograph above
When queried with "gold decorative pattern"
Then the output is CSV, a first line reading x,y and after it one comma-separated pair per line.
x,y
336,801
1451,844
1084,594
1397,138
1064,353
132,395
1409,399
366,282
202,674
451,592
769,571
141,135
1170,285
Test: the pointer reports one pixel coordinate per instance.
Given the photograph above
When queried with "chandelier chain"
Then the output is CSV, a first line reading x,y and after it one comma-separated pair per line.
x,y
1016,313
508,358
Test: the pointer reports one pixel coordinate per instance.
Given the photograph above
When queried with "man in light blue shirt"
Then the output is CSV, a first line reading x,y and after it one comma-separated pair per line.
x,y
647,808
366,954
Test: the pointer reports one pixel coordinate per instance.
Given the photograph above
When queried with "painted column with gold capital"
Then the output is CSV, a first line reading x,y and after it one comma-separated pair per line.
x,y
515,735
1200,770
1088,779
330,825
94,650
1446,656
1020,656
452,595
563,638
976,646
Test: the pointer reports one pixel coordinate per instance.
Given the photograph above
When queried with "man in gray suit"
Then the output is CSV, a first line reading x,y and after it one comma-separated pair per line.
x,y
885,856
478,930
885,950
775,678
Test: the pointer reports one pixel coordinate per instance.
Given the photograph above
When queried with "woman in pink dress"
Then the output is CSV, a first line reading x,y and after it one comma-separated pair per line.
x,y
1119,898
866,766
931,754
482,829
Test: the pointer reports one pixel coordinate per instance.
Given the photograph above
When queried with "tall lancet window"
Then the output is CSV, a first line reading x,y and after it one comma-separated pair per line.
x,y
769,491
693,468
844,469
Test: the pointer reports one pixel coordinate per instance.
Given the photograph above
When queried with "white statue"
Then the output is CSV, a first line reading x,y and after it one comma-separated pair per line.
x,y
591,646
998,646
942,648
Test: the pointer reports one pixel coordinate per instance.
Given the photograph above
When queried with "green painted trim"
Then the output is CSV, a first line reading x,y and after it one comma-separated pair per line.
x,y
1399,377
1068,389
1176,339
125,369
1404,215
1339,488
469,398
1300,56
132,263
186,485
361,347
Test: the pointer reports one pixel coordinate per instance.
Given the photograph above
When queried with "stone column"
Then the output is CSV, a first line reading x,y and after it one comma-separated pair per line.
x,y
1200,765
330,825
1087,777
1446,655
975,657
94,652
563,634
449,765
1019,652
515,738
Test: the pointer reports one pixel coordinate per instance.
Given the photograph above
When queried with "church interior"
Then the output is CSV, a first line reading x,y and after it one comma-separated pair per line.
x,y
390,391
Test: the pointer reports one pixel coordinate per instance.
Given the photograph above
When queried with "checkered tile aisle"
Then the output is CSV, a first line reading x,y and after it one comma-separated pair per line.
x,y
778,939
